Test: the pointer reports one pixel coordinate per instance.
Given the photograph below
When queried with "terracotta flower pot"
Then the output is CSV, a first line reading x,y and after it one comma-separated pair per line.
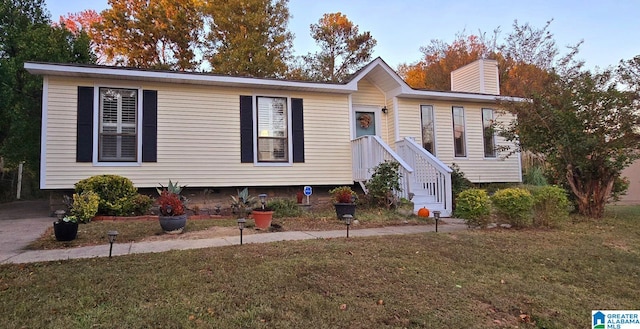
x,y
262,218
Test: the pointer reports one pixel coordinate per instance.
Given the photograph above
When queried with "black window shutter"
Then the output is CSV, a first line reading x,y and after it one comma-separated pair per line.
x,y
297,133
246,129
149,126
84,130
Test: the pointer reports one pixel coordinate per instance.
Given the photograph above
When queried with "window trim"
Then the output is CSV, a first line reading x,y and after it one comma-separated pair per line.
x,y
433,123
96,125
256,135
464,127
493,136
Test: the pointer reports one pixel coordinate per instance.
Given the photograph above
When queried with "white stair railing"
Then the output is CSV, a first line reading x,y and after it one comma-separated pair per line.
x,y
431,176
368,152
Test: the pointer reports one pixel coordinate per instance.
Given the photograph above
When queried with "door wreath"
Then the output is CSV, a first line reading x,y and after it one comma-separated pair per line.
x,y
365,120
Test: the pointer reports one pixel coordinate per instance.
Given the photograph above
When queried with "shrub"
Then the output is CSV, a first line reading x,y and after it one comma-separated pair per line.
x,y
138,205
384,183
550,205
284,208
513,206
459,183
85,206
535,176
343,194
473,205
114,191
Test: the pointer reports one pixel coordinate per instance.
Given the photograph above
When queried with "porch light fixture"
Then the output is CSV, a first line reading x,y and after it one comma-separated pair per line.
x,y
241,224
347,219
112,238
436,216
384,109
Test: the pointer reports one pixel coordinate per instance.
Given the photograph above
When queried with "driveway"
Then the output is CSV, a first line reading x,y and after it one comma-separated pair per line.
x,y
20,223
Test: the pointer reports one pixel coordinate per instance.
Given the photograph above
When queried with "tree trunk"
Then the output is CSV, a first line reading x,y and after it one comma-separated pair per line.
x,y
591,194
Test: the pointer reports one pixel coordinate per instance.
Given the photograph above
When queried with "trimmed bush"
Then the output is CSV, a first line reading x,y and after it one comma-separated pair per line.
x,y
115,192
550,206
384,183
473,205
284,208
513,206
85,206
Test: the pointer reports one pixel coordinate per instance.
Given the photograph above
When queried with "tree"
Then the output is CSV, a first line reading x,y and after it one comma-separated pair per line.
x,y
343,50
84,22
440,58
523,59
586,126
162,34
249,37
26,34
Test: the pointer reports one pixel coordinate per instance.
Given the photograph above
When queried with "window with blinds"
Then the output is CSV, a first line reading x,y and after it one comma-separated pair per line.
x,y
459,143
118,128
488,135
272,129
428,131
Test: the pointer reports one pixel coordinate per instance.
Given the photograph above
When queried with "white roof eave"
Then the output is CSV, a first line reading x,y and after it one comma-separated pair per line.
x,y
455,96
181,78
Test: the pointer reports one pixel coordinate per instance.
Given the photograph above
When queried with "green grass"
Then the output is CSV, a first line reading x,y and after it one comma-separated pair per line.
x,y
470,279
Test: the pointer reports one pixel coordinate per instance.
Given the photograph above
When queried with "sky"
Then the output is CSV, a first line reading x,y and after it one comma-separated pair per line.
x,y
609,29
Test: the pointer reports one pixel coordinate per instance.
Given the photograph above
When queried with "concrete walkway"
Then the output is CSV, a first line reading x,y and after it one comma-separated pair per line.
x,y
16,234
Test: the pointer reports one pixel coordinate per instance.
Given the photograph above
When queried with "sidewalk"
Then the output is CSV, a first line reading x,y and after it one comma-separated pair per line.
x,y
16,253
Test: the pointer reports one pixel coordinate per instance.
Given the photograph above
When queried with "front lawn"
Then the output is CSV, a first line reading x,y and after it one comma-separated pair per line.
x,y
470,279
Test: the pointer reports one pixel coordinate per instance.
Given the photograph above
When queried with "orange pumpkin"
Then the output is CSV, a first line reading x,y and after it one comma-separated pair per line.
x,y
423,212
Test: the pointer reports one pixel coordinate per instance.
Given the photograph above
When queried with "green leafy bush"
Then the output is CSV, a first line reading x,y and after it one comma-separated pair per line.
x,y
384,184
138,204
550,205
535,176
284,208
474,206
85,206
115,192
459,183
513,206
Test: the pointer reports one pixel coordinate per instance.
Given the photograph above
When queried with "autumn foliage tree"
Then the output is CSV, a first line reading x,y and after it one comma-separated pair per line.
x,y
150,34
249,38
343,49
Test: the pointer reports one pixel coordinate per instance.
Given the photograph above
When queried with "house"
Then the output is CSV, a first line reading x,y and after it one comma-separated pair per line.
x,y
221,131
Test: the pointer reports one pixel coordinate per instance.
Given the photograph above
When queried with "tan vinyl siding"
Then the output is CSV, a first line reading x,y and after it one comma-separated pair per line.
x,y
199,139
466,78
369,95
491,83
480,76
476,167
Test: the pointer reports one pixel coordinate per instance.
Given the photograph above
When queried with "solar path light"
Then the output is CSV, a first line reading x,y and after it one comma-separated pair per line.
x,y
241,224
347,219
112,238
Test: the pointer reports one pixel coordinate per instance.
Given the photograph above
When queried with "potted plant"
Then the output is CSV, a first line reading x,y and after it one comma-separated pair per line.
x,y
171,204
262,215
66,227
344,201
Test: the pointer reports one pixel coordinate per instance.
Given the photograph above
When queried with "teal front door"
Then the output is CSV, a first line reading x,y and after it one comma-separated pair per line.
x,y
365,123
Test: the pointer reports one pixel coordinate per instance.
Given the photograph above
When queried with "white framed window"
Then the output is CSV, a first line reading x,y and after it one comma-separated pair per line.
x,y
488,136
118,125
272,129
459,133
428,128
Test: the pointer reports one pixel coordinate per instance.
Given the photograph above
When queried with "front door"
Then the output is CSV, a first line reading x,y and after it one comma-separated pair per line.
x,y
365,123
